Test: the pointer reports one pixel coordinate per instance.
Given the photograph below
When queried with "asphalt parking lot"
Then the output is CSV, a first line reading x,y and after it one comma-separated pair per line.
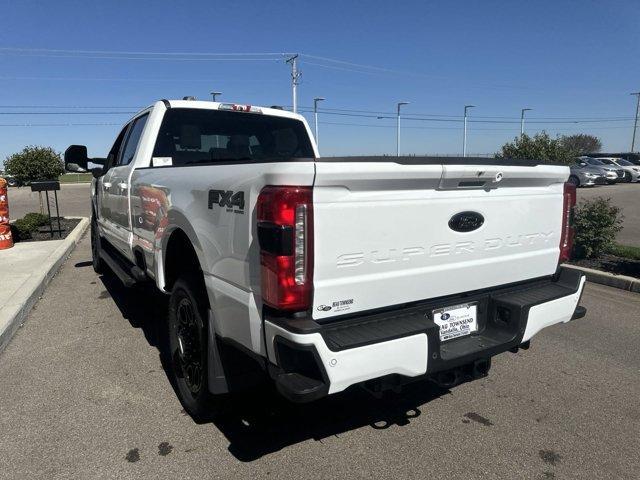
x,y
74,202
83,394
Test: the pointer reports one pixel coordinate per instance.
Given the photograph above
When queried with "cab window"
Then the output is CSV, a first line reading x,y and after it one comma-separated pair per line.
x,y
133,138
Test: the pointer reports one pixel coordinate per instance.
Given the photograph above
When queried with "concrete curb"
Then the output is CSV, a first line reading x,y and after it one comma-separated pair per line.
x,y
622,282
34,287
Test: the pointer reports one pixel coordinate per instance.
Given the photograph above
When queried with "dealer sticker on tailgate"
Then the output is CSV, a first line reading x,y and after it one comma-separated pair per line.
x,y
456,321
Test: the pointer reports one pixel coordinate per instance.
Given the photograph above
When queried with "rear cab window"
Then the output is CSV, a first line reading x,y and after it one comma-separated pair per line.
x,y
194,136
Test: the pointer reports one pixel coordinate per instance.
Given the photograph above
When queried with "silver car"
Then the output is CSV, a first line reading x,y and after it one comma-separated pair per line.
x,y
632,171
620,174
584,175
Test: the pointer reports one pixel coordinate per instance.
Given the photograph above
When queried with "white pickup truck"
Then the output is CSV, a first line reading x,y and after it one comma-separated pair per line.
x,y
326,273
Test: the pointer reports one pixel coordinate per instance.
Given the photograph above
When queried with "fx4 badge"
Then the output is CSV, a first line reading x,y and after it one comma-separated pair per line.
x,y
227,198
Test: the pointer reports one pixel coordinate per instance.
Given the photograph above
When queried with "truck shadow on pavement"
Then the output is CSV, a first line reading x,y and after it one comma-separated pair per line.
x,y
261,422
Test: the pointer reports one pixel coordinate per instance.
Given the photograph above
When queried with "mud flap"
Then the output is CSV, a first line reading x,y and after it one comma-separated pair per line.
x,y
217,378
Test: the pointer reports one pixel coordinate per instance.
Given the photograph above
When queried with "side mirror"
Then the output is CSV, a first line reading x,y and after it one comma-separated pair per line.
x,y
75,158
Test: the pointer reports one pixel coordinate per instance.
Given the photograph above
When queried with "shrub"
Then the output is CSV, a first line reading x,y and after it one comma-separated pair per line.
x,y
23,228
597,221
37,219
33,164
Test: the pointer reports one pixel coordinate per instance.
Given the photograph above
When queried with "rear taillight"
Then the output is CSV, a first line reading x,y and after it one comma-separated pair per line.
x,y
285,235
566,238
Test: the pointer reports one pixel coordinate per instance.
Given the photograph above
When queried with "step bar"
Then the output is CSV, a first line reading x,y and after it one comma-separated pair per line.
x,y
128,273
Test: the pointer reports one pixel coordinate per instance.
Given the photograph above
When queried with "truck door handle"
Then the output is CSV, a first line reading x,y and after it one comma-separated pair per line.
x,y
106,185
123,186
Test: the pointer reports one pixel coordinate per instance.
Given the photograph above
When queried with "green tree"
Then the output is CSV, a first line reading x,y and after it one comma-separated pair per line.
x,y
581,143
34,163
539,147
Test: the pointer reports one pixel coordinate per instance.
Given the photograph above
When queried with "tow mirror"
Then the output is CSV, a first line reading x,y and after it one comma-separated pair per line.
x,y
75,158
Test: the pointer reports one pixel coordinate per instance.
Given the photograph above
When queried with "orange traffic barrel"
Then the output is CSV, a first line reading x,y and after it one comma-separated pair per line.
x,y
6,240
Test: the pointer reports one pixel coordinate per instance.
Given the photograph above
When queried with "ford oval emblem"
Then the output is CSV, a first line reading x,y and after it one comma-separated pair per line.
x,y
466,221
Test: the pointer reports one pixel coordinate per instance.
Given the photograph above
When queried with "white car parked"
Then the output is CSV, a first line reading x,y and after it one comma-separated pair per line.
x,y
632,170
326,273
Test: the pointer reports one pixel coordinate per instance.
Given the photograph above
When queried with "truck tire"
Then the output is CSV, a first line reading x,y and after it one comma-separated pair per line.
x,y
188,346
98,264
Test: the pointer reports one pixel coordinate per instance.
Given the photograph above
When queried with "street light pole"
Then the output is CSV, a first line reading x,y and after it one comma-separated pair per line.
x,y
295,75
464,137
635,123
398,128
522,119
215,94
315,117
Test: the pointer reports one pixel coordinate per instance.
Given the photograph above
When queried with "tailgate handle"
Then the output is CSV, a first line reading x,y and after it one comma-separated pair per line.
x,y
471,183
482,179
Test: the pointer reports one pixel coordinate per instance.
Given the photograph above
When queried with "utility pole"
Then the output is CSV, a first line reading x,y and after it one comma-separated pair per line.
x,y
635,124
398,128
215,94
315,117
522,119
464,137
295,75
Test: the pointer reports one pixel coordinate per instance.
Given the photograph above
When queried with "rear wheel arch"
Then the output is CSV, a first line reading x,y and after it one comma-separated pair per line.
x,y
180,258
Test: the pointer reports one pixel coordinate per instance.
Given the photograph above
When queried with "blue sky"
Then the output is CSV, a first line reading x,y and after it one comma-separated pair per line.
x,y
576,60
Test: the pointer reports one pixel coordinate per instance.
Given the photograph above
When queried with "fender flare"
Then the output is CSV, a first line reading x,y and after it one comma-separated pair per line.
x,y
177,221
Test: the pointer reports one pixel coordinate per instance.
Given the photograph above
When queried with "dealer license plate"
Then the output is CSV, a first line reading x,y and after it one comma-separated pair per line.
x,y
457,320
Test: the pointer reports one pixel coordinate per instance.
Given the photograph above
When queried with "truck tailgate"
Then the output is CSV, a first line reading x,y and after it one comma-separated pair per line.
x,y
388,233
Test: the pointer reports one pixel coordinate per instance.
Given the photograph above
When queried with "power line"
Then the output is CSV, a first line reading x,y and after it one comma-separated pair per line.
x,y
444,128
130,79
344,69
214,56
413,127
373,69
308,109
475,120
329,110
352,64
127,57
342,114
118,52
